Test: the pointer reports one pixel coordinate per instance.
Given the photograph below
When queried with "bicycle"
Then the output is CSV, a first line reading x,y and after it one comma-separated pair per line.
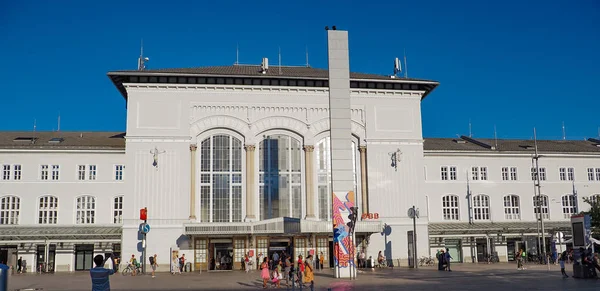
x,y
130,269
426,261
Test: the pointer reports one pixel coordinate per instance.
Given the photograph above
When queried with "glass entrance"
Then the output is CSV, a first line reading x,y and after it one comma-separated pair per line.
x,y
221,256
84,257
41,258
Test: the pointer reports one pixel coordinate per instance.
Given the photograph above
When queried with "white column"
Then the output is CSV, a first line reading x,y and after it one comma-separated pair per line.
x,y
193,182
309,181
363,179
250,183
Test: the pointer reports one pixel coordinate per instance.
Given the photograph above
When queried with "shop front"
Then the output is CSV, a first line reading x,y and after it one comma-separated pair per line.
x,y
223,246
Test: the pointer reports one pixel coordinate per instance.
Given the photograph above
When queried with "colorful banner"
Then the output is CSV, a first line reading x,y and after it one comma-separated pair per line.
x,y
343,246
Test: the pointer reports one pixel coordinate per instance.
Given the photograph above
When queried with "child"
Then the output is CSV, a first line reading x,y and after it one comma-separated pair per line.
x,y
276,278
561,261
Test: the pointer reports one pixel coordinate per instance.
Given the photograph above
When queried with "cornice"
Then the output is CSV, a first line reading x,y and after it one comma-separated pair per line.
x,y
274,89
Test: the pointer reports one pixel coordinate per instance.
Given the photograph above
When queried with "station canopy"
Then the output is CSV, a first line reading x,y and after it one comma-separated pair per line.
x,y
496,228
58,232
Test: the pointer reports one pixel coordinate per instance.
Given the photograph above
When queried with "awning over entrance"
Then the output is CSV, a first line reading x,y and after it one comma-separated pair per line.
x,y
481,228
311,226
57,233
282,225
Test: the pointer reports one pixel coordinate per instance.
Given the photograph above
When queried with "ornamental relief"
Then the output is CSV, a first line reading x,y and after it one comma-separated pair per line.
x,y
251,114
250,121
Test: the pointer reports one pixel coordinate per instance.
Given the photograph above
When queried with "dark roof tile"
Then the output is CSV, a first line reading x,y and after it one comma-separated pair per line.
x,y
71,140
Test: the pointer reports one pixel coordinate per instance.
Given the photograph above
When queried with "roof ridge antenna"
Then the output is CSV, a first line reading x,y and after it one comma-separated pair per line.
x,y
495,136
142,60
470,131
279,60
58,122
237,54
405,66
564,136
479,143
308,66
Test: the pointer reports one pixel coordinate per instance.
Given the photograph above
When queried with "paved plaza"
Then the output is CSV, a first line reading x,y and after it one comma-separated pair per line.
x,y
480,277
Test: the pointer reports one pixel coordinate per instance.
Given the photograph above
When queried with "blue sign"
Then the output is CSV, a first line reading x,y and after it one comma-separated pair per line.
x,y
146,228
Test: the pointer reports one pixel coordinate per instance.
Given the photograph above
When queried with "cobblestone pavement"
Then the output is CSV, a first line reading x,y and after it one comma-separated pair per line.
x,y
478,277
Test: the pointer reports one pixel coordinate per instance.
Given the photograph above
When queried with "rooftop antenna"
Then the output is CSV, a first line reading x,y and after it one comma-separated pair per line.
x,y
142,60
397,67
308,66
280,60
237,54
563,131
405,66
495,136
470,132
58,122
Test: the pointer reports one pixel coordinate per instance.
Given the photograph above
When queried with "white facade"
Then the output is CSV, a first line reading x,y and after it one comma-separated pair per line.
x,y
501,196
171,118
51,201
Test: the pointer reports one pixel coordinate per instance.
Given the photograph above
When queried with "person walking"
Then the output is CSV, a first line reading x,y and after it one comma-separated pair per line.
x,y
100,275
309,275
300,271
181,263
322,260
153,264
519,260
264,272
561,261
286,271
19,264
448,257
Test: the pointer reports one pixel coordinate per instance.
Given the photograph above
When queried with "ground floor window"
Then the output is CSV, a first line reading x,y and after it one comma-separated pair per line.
x,y
262,248
300,248
200,253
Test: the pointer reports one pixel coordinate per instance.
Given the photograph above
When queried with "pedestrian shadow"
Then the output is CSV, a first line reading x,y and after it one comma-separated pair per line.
x,y
254,284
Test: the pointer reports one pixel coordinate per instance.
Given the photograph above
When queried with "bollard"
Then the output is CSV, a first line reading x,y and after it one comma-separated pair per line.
x,y
4,277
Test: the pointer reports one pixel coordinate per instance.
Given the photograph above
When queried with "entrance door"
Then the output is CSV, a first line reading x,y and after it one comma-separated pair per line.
x,y
84,257
481,245
331,262
223,255
41,258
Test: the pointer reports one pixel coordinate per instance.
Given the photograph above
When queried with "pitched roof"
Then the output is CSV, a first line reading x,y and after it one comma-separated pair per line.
x,y
273,71
213,74
48,140
511,145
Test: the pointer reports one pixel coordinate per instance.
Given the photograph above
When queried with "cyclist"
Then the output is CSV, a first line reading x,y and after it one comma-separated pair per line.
x,y
134,264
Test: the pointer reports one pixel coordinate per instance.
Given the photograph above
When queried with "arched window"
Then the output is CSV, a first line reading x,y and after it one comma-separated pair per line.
x,y
568,205
118,209
48,210
542,202
481,207
512,207
280,177
85,210
323,166
221,179
9,210
450,207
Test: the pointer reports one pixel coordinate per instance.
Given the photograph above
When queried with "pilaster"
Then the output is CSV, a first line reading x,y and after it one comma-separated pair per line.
x,y
193,148
309,181
250,183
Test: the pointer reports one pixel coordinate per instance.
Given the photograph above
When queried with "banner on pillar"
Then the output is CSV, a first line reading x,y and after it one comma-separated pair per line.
x,y
343,248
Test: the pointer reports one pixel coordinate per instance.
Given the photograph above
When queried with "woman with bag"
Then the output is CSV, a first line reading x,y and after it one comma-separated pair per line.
x,y
264,272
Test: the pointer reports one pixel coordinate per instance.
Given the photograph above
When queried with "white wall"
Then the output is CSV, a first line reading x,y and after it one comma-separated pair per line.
x,y
68,188
496,188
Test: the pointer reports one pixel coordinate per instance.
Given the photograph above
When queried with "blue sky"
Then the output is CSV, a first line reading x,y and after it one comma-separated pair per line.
x,y
513,64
